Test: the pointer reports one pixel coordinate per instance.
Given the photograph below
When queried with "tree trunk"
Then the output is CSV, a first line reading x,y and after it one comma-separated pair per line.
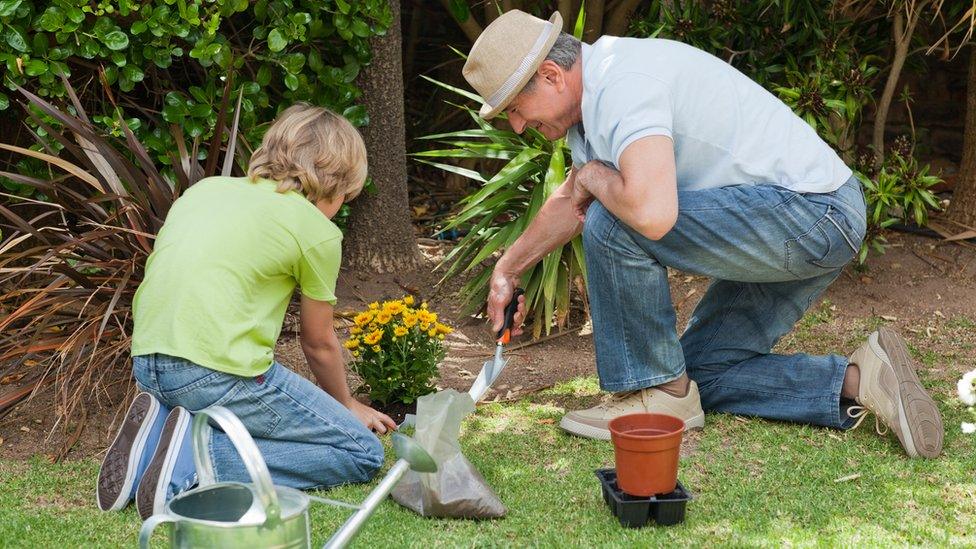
x,y
619,18
903,39
380,237
593,26
962,208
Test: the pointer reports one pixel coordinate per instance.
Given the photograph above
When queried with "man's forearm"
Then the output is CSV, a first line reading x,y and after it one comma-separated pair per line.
x,y
553,226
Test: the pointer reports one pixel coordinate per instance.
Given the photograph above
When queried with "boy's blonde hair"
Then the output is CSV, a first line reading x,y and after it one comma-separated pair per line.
x,y
314,151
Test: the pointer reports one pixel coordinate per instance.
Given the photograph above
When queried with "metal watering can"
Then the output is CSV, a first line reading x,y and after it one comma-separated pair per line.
x,y
260,514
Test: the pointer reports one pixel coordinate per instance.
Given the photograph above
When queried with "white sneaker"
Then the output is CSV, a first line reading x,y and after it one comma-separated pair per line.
x,y
593,422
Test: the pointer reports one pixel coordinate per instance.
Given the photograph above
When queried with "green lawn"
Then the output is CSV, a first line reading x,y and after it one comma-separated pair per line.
x,y
755,483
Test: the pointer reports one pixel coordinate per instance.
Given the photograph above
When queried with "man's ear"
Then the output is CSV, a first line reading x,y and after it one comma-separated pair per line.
x,y
553,74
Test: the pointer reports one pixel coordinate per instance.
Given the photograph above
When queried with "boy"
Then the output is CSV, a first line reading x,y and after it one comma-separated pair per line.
x,y
210,308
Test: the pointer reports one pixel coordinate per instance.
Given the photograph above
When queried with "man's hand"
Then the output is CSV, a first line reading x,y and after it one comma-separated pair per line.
x,y
592,172
377,421
501,287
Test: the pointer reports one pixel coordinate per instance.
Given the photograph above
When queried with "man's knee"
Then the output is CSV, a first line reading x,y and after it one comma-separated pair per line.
x,y
370,459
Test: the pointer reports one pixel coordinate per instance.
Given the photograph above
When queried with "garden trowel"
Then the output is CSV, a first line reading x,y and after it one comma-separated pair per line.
x,y
493,367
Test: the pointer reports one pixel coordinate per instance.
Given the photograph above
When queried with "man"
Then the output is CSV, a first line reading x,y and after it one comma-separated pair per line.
x,y
681,161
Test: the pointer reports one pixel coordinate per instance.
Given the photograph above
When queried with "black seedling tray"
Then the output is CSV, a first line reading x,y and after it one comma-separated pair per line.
x,y
635,511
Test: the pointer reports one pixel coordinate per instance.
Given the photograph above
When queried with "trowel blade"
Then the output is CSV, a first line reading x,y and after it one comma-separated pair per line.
x,y
488,374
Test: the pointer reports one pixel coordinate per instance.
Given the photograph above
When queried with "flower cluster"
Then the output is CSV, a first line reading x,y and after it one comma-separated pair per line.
x,y
967,394
396,347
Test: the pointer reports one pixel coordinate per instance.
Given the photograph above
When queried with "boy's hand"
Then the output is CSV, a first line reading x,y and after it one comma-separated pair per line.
x,y
377,421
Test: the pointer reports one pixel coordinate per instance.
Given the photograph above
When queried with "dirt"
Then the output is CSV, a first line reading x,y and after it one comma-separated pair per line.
x,y
923,287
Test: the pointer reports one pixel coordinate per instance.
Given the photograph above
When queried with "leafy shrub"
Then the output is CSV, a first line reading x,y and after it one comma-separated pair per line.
x,y
70,266
396,349
897,192
496,214
165,61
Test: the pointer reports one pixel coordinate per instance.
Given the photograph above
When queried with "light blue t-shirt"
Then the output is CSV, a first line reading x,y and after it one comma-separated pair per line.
x,y
726,129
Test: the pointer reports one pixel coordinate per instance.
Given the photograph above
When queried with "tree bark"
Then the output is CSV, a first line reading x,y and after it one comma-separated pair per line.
x,y
380,236
619,18
593,26
962,208
568,13
903,39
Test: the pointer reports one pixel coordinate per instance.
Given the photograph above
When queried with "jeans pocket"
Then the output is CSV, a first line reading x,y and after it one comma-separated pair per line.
x,y
192,386
828,245
251,405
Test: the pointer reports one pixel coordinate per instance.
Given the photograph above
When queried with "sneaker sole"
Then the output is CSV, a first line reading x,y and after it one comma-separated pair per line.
x,y
151,495
118,470
586,430
918,416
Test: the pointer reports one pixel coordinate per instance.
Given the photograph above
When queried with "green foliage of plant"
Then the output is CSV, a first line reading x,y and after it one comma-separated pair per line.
x,y
497,213
166,61
898,192
396,348
70,265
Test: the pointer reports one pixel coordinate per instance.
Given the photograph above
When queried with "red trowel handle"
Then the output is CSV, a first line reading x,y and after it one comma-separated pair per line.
x,y
505,334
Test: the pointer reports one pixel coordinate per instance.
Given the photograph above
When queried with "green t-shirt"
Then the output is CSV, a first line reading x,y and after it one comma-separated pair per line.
x,y
223,269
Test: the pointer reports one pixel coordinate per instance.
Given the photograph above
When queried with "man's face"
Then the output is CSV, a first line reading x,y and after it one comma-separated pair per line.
x,y
547,106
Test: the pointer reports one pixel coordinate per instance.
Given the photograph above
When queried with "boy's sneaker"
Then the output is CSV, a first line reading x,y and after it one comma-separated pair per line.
x,y
890,389
594,422
129,454
172,469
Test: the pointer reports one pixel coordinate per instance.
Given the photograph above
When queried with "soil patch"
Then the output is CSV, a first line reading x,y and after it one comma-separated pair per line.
x,y
922,287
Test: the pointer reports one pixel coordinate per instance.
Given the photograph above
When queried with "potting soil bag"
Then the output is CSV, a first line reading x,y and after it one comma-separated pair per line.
x,y
456,490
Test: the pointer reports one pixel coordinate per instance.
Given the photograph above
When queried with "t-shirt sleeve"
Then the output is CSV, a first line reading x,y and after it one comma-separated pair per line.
x,y
630,107
318,270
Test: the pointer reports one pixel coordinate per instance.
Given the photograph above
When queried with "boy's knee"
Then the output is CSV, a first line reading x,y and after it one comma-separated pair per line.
x,y
370,459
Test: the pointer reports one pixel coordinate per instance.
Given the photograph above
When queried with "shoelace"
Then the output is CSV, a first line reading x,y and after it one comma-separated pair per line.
x,y
859,413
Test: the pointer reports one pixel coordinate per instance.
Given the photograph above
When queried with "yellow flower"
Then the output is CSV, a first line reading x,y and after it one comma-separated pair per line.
x,y
355,330
400,331
425,326
423,305
351,343
432,332
363,318
373,327
409,320
373,338
376,348
423,315
440,337
443,328
408,300
394,307
383,317
374,305
432,317
355,353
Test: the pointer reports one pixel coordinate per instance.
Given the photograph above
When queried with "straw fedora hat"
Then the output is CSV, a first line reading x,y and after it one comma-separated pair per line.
x,y
506,55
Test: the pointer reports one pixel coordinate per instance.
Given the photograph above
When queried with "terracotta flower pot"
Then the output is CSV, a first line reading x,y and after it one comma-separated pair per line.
x,y
646,448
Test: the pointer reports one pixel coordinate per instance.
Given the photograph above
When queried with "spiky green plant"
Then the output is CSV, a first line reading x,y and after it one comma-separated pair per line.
x,y
69,266
497,213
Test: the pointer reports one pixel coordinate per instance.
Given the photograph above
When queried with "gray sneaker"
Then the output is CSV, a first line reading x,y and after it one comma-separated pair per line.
x,y
594,422
891,390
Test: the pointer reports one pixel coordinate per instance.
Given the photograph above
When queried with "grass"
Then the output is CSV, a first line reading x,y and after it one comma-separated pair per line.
x,y
757,483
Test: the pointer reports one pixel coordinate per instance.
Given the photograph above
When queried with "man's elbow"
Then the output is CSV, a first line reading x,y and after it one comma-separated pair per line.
x,y
319,344
657,226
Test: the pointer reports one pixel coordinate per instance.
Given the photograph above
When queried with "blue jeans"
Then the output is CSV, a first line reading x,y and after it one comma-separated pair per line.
x,y
770,252
307,438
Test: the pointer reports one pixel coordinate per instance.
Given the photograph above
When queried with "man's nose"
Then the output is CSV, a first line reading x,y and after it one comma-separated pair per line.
x,y
517,122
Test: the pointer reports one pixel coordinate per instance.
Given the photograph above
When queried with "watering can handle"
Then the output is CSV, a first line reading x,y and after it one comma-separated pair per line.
x,y
145,534
256,467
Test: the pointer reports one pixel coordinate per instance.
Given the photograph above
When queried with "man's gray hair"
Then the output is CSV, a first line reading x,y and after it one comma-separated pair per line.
x,y
564,52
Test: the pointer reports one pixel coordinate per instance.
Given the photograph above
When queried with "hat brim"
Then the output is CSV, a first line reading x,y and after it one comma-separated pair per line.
x,y
488,111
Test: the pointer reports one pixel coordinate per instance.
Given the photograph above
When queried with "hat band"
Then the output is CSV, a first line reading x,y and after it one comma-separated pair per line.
x,y
508,86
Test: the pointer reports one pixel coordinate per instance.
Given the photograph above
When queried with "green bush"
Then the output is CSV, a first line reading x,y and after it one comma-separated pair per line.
x,y
166,61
